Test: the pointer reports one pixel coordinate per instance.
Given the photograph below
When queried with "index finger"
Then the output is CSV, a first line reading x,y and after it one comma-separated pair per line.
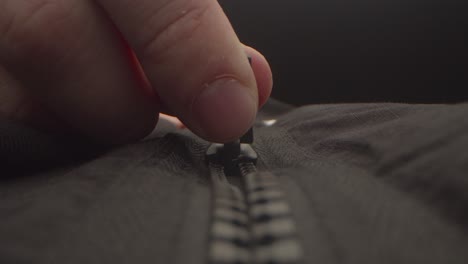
x,y
194,60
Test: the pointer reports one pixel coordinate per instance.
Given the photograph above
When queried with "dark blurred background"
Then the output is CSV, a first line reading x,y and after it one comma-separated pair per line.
x,y
324,51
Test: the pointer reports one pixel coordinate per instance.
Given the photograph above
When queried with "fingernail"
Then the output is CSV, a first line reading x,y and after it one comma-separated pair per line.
x,y
224,110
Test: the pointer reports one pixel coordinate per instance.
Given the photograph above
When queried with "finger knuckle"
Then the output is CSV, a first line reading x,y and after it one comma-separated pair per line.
x,y
33,26
180,26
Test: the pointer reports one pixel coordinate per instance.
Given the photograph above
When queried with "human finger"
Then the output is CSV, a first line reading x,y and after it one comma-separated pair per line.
x,y
69,54
194,60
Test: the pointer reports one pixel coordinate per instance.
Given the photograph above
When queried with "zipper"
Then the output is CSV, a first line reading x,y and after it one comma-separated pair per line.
x,y
251,221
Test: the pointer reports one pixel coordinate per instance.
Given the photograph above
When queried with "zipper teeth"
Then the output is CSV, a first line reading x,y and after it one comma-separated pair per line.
x,y
247,168
253,225
273,230
230,236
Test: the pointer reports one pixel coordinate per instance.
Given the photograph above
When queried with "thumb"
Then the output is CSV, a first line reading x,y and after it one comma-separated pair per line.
x,y
194,61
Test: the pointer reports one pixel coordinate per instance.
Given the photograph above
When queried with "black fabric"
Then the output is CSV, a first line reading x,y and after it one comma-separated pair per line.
x,y
367,183
26,149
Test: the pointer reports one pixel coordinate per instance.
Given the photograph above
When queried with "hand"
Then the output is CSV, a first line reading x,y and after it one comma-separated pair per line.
x,y
107,68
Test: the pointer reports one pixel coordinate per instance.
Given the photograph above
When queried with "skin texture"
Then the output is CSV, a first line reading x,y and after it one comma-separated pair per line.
x,y
106,68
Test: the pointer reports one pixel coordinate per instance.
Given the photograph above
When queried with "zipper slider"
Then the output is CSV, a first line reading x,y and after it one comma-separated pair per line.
x,y
231,154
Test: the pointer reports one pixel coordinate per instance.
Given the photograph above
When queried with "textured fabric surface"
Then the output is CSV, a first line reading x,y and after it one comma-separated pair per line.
x,y
367,183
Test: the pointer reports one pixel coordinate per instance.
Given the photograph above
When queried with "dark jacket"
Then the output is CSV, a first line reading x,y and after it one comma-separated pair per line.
x,y
366,183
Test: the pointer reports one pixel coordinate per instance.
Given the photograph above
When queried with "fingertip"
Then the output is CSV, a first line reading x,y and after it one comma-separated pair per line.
x,y
223,111
262,72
